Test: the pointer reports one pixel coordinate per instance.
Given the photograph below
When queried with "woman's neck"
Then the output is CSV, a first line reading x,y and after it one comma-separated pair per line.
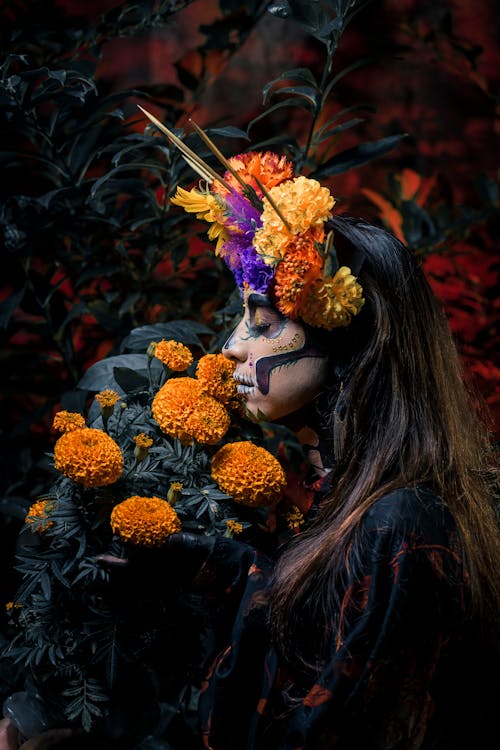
x,y
309,439
311,434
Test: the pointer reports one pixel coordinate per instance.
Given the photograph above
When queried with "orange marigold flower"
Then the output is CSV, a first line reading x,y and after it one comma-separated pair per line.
x,y
332,302
38,516
107,398
147,521
269,168
90,457
174,355
65,421
215,373
250,474
209,422
173,403
143,441
185,411
300,266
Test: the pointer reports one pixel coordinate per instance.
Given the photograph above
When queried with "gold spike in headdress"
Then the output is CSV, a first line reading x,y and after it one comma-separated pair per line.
x,y
195,162
206,172
265,193
248,191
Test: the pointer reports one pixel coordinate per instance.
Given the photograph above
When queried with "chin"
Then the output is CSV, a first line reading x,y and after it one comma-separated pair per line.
x,y
263,413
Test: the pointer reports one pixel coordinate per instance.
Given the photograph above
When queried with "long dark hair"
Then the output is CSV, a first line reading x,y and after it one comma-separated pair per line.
x,y
399,416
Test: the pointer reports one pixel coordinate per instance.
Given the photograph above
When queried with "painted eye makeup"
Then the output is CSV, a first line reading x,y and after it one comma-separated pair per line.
x,y
265,321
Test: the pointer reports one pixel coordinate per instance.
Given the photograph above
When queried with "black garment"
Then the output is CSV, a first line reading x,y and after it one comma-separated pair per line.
x,y
406,669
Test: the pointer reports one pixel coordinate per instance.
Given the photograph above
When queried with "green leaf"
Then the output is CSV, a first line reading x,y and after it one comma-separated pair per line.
x,y
296,74
185,331
101,375
355,157
130,380
291,102
345,71
46,585
329,130
16,507
304,92
229,131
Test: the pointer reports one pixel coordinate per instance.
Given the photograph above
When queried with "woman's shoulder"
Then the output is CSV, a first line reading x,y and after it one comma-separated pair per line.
x,y
412,511
413,529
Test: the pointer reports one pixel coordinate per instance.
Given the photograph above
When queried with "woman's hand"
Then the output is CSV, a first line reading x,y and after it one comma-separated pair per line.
x,y
187,551
198,561
8,735
10,739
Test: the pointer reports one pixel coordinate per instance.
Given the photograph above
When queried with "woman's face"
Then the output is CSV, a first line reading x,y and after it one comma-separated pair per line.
x,y
278,369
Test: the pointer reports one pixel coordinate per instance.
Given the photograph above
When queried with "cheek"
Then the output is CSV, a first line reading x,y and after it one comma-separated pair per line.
x,y
288,365
300,381
294,387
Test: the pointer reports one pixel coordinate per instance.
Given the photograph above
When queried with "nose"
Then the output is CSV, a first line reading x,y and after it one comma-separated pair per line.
x,y
236,347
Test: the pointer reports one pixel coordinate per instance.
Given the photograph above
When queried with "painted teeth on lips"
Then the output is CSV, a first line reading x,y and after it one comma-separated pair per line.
x,y
244,389
245,385
242,380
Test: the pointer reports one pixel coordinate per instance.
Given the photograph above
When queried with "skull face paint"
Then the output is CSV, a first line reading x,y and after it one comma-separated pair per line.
x,y
278,369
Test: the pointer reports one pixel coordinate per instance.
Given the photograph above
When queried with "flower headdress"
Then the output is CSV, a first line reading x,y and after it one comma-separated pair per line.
x,y
269,227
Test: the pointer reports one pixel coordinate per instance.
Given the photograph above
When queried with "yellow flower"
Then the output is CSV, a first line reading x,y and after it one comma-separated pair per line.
x,y
142,445
107,398
294,518
207,207
332,302
305,205
195,202
89,457
215,373
185,411
147,521
233,527
250,474
65,421
38,516
174,355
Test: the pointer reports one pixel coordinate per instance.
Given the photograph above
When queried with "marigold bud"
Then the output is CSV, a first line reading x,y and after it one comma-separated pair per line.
x,y
174,492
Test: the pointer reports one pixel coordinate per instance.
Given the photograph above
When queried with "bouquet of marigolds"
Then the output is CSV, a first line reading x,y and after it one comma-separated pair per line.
x,y
163,449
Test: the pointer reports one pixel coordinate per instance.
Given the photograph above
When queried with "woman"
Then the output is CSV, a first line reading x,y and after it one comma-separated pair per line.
x,y
375,627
